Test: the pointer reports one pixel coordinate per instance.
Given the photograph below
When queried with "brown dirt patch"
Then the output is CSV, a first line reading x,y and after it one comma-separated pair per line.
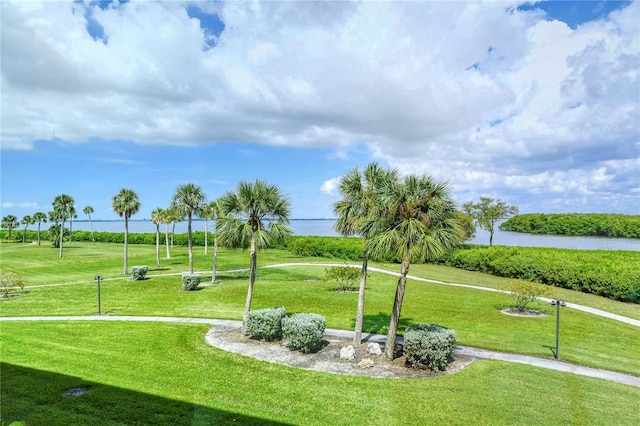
x,y
326,359
529,313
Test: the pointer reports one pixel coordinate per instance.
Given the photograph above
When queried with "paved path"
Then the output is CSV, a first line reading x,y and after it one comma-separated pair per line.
x,y
551,364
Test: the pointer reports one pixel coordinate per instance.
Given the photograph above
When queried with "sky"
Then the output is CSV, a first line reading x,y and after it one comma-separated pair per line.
x,y
534,103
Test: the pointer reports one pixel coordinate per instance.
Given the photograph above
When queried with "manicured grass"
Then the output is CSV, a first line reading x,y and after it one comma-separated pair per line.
x,y
475,315
149,373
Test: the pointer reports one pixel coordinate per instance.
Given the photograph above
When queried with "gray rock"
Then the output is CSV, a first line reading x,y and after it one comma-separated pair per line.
x,y
347,353
374,349
366,363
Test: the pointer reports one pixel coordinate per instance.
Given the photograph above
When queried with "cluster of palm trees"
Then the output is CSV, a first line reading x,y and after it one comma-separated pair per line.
x,y
413,218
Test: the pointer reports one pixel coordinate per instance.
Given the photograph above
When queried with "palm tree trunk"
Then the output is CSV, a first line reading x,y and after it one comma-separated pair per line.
x,y
252,280
157,245
38,233
126,247
166,239
206,233
357,336
389,347
215,260
91,226
190,245
173,231
61,231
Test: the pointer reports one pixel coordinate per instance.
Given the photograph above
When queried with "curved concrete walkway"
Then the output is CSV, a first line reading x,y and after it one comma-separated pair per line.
x,y
551,364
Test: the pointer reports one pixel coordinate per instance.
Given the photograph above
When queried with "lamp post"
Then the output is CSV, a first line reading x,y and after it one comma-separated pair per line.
x,y
98,278
558,304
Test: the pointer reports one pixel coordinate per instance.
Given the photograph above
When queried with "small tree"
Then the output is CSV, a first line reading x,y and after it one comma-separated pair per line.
x,y
524,292
10,222
39,218
26,221
344,276
487,212
88,210
10,283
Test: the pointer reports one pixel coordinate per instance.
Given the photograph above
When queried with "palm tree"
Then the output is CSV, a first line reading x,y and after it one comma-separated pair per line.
x,y
26,221
188,201
10,222
126,204
359,200
165,218
39,218
156,218
207,212
214,213
73,215
174,217
88,210
416,222
63,209
244,212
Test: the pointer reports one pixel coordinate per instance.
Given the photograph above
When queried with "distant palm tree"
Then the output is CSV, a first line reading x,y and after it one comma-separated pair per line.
x,y
88,210
10,222
188,201
126,204
63,209
174,217
39,218
212,211
360,198
416,221
26,221
242,224
73,215
165,217
156,218
208,211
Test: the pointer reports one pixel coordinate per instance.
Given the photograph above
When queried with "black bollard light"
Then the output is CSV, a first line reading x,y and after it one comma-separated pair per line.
x,y
98,278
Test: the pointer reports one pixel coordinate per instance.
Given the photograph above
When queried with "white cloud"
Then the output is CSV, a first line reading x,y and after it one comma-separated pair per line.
x,y
23,205
330,186
470,92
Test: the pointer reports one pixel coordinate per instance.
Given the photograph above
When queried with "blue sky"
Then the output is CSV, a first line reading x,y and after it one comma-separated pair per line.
x,y
533,103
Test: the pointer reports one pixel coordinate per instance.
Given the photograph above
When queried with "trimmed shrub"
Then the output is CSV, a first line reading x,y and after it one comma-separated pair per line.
x,y
266,323
428,346
139,272
11,283
190,282
304,332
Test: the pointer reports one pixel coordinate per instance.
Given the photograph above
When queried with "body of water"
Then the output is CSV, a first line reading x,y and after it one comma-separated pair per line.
x,y
324,227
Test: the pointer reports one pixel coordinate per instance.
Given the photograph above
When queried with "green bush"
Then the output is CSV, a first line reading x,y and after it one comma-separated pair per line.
x,y
576,224
345,277
304,332
266,323
428,346
607,273
190,282
524,292
139,272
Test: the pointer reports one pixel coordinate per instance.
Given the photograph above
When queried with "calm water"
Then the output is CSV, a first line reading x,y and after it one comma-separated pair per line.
x,y
324,227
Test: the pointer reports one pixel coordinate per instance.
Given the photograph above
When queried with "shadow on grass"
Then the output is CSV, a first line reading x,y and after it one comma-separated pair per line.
x,y
379,323
36,397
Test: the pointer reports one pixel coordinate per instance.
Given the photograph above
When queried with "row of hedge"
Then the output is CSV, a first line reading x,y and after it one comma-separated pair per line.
x,y
576,224
612,274
112,237
608,273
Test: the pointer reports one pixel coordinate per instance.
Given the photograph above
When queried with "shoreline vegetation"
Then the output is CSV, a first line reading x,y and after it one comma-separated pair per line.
x,y
608,273
576,224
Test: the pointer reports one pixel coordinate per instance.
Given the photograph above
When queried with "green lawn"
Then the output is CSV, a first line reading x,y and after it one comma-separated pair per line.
x,y
169,376
144,367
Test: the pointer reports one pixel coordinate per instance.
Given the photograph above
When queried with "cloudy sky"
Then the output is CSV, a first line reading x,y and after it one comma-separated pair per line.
x,y
533,103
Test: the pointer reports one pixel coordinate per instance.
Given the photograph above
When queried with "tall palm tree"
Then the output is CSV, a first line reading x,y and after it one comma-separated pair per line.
x,y
73,215
360,198
26,221
156,218
243,223
88,210
126,204
207,212
188,201
416,222
214,214
10,222
165,217
39,218
174,217
63,209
